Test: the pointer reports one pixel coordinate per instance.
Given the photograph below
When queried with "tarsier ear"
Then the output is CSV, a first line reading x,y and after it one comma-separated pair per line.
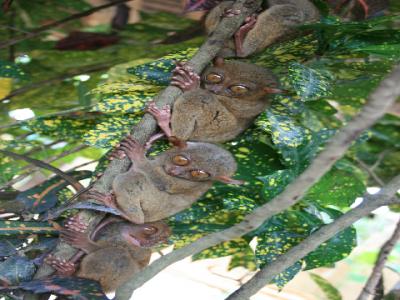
x,y
270,90
218,61
228,180
177,142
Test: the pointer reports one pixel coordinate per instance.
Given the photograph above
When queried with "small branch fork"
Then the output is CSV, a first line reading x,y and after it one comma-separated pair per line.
x,y
372,282
370,203
39,30
147,126
379,102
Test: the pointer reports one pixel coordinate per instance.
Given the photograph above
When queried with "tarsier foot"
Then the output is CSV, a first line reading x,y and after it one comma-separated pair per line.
x,y
184,77
249,24
74,233
106,199
163,116
75,224
132,149
62,266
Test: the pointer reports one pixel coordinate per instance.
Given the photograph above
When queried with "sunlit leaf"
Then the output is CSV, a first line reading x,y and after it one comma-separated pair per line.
x,y
329,290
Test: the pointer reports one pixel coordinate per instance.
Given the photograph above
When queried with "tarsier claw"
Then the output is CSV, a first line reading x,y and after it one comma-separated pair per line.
x,y
62,266
184,77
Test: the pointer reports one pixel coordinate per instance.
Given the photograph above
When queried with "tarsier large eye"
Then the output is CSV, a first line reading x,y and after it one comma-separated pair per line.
x,y
200,174
214,78
239,89
149,230
181,160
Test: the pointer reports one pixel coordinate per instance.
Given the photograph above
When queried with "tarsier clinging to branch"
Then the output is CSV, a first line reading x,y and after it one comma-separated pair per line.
x,y
153,189
115,251
230,96
276,23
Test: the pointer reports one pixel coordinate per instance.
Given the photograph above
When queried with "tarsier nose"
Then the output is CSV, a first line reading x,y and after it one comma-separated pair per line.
x,y
174,171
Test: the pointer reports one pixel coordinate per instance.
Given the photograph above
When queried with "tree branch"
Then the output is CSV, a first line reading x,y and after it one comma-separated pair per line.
x,y
265,276
41,164
376,275
379,101
39,30
147,126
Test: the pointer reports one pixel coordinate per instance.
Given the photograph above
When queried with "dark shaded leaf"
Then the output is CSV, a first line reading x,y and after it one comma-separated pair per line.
x,y
72,287
198,5
8,246
17,269
11,70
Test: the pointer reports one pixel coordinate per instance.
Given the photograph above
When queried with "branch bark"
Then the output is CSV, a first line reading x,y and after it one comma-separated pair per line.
x,y
147,126
379,101
39,30
376,275
265,276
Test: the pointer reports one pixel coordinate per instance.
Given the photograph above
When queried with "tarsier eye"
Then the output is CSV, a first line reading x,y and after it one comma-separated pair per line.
x,y
199,174
239,89
149,230
181,160
214,78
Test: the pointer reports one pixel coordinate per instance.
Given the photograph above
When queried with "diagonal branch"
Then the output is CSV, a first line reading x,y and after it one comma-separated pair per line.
x,y
376,275
147,126
379,101
39,30
265,276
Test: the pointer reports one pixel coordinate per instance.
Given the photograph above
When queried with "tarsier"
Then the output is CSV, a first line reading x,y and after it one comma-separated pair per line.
x,y
115,251
153,189
274,24
231,95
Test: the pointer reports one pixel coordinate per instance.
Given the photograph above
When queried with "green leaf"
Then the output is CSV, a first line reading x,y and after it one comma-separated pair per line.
x,y
333,250
8,246
11,70
17,269
329,290
308,83
12,228
159,72
338,187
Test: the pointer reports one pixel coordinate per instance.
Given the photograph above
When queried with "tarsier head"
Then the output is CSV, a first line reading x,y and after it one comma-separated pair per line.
x,y
238,80
145,235
196,161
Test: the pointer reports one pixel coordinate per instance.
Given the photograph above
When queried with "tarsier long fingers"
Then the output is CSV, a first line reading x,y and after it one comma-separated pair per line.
x,y
132,149
184,77
162,116
106,199
62,266
249,24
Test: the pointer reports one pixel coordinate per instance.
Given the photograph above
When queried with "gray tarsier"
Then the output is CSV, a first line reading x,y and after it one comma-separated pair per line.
x,y
231,95
276,23
154,189
114,252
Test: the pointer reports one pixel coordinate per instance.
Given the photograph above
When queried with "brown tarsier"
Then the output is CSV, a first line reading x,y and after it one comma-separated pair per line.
x,y
274,24
153,189
231,95
114,252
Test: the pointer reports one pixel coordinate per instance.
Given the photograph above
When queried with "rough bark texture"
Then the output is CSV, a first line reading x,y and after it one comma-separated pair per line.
x,y
147,126
379,101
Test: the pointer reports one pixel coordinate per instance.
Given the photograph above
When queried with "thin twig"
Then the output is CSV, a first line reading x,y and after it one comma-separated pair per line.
x,y
34,169
147,126
371,202
379,101
41,164
39,30
373,280
45,82
369,170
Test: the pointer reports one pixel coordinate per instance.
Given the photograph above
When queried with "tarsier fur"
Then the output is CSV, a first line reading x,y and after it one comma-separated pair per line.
x,y
114,253
154,189
274,24
230,96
